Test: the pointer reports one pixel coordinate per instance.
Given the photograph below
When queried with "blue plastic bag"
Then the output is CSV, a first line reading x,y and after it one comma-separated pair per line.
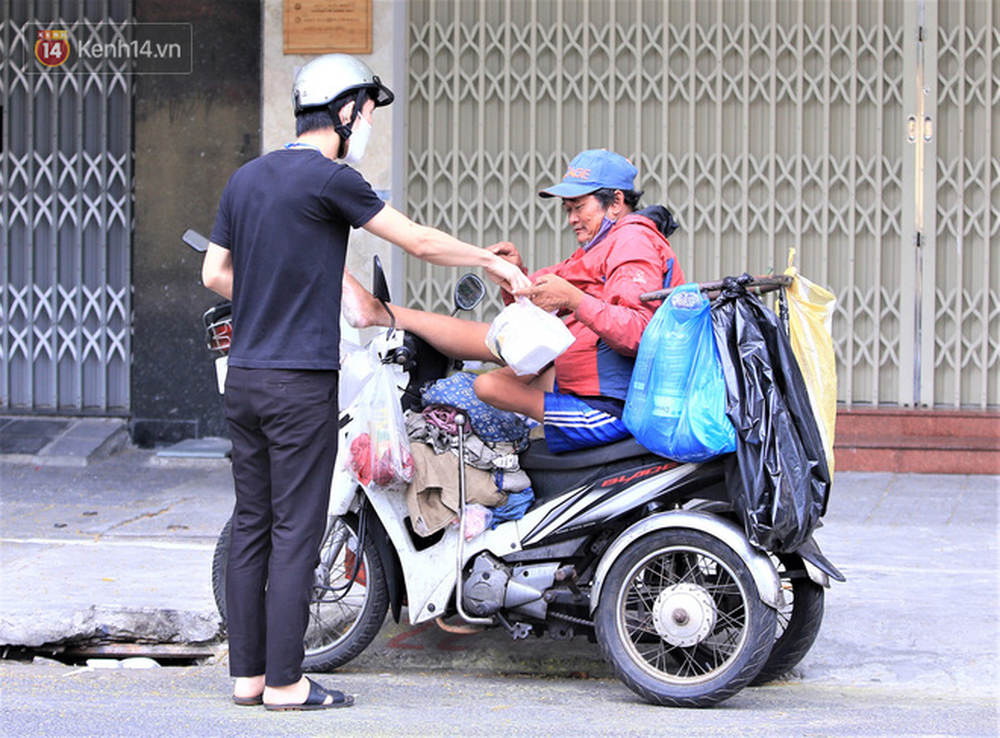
x,y
676,403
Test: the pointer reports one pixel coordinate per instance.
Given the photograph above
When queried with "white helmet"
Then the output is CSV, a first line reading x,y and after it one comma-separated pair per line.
x,y
324,79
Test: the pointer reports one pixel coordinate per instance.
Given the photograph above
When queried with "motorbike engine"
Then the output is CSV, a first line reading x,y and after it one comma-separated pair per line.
x,y
493,586
483,593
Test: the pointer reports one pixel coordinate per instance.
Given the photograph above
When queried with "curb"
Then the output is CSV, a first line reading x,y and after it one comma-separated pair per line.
x,y
85,441
72,442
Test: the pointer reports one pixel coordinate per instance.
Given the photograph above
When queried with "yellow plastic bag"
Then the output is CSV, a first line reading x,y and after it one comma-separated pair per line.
x,y
810,317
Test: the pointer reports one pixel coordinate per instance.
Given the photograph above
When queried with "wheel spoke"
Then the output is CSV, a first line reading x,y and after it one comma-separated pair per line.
x,y
326,625
689,665
337,601
658,577
730,621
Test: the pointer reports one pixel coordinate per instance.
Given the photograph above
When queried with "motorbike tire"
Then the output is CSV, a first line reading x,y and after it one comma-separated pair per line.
x,y
339,629
799,620
220,560
681,621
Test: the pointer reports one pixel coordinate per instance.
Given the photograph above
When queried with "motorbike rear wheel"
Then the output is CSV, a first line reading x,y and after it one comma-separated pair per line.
x,y
681,621
799,620
343,620
801,616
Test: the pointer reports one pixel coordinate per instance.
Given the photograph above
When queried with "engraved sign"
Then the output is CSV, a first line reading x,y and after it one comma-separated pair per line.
x,y
324,26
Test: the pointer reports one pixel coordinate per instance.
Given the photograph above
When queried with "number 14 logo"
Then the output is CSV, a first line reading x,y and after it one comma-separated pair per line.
x,y
52,47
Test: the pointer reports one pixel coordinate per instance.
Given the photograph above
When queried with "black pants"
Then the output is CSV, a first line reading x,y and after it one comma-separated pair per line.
x,y
283,425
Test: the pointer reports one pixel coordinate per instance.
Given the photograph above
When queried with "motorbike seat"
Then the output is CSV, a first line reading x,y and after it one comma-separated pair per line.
x,y
538,456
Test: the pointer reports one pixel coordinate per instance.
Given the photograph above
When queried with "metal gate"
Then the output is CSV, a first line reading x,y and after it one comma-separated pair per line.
x,y
959,268
764,126
66,170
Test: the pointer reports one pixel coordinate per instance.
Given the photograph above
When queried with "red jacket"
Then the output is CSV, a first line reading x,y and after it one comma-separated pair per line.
x,y
631,259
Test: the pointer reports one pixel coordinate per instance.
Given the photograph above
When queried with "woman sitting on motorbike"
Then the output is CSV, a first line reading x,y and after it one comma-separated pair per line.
x,y
622,255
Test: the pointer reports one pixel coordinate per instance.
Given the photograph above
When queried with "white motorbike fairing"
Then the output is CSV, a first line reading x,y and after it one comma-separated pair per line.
x,y
430,574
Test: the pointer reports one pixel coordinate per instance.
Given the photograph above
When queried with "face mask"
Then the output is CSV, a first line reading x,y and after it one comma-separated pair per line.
x,y
606,225
358,141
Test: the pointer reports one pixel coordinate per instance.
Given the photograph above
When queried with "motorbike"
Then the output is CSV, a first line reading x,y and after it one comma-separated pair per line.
x,y
640,553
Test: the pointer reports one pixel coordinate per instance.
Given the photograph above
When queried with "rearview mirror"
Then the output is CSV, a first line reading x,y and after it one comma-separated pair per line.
x,y
195,240
469,292
380,288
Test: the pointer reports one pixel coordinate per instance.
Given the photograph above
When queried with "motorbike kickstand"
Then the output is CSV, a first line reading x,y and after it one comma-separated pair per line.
x,y
460,557
517,631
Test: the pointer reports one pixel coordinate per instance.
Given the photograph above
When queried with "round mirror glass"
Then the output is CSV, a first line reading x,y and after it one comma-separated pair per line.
x,y
469,291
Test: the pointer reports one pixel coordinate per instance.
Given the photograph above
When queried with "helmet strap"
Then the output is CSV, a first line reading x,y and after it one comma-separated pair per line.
x,y
345,129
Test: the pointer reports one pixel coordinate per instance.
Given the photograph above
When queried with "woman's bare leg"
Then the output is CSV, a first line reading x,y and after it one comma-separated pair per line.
x,y
454,337
459,339
505,390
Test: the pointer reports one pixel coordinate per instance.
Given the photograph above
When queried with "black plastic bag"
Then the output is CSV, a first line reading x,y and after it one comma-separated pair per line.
x,y
778,480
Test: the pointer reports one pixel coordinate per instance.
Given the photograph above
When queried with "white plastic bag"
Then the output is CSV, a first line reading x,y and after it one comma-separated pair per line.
x,y
356,368
527,338
378,448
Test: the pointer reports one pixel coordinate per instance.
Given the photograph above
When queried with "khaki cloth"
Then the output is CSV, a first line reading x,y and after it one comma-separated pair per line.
x,y
432,495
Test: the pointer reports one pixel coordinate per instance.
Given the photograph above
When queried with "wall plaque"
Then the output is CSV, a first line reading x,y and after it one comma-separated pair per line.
x,y
324,26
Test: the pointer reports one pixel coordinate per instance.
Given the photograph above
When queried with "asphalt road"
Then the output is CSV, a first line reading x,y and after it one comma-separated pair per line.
x,y
909,644
54,700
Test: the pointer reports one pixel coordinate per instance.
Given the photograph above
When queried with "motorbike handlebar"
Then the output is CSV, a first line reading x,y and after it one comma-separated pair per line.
x,y
195,240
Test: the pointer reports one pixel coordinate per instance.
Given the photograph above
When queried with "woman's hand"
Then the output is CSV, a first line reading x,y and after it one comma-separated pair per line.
x,y
552,293
508,252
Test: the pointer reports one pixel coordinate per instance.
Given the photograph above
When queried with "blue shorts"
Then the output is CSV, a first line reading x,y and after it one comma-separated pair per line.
x,y
570,423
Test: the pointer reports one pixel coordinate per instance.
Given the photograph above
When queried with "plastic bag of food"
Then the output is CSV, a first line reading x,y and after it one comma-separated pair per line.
x,y
527,338
378,447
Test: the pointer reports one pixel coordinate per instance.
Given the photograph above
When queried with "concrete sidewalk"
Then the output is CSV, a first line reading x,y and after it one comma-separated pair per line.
x,y
118,549
121,549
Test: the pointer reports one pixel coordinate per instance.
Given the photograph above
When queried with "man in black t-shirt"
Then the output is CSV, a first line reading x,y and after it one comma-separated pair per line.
x,y
278,250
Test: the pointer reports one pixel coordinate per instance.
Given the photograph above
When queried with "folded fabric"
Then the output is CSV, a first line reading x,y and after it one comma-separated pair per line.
x,y
443,417
511,481
420,430
432,497
488,422
514,509
477,453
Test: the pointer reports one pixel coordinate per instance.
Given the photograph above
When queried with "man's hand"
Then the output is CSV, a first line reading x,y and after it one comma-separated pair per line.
x,y
508,252
551,293
508,276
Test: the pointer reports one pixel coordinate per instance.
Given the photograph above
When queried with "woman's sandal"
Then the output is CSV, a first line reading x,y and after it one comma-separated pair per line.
x,y
317,700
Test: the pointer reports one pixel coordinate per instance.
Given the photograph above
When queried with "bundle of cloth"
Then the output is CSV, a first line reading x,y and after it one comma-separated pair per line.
x,y
497,489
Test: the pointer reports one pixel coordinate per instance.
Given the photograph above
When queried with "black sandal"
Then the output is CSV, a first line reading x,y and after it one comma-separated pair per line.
x,y
317,700
248,701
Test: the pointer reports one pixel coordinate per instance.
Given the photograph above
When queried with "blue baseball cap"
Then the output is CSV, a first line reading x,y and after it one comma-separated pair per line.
x,y
593,170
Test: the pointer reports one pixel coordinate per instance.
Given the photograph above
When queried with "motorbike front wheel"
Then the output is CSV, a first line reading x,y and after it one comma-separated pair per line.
x,y
681,621
348,602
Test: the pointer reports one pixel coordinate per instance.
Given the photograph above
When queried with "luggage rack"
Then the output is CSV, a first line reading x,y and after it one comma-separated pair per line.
x,y
758,286
753,285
